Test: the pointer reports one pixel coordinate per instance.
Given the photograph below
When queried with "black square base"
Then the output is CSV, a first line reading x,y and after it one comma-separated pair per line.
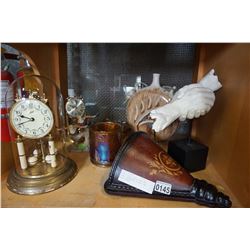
x,y
190,154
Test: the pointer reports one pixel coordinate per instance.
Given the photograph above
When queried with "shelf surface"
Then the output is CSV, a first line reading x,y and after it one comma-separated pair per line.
x,y
86,190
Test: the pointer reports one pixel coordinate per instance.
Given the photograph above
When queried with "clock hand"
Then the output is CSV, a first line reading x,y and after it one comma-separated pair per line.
x,y
22,116
31,120
78,104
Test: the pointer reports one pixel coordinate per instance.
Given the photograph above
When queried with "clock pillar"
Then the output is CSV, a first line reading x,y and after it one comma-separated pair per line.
x,y
52,151
21,153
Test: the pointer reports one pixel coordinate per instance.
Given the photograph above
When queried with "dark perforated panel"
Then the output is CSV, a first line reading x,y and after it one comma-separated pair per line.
x,y
99,71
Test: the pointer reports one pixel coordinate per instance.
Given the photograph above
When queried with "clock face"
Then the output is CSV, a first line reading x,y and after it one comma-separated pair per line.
x,y
75,107
31,118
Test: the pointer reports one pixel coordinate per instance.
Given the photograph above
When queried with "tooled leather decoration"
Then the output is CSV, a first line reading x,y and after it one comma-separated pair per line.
x,y
162,164
198,191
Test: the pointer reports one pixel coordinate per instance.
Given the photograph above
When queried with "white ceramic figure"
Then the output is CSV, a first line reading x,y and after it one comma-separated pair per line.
x,y
156,81
191,101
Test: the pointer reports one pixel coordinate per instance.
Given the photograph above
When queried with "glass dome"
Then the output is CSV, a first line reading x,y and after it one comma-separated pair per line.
x,y
37,130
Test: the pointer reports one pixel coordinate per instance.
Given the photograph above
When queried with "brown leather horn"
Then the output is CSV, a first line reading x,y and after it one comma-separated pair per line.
x,y
142,168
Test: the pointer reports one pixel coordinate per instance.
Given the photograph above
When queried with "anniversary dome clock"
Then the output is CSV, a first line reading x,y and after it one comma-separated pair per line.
x,y
77,123
37,127
75,107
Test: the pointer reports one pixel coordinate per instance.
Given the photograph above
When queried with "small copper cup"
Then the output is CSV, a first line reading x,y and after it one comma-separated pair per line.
x,y
105,140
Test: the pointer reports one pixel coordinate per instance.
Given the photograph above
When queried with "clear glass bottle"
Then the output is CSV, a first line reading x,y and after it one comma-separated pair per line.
x,y
139,84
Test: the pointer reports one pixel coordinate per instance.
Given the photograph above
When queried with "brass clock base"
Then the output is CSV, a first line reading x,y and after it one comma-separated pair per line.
x,y
42,178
